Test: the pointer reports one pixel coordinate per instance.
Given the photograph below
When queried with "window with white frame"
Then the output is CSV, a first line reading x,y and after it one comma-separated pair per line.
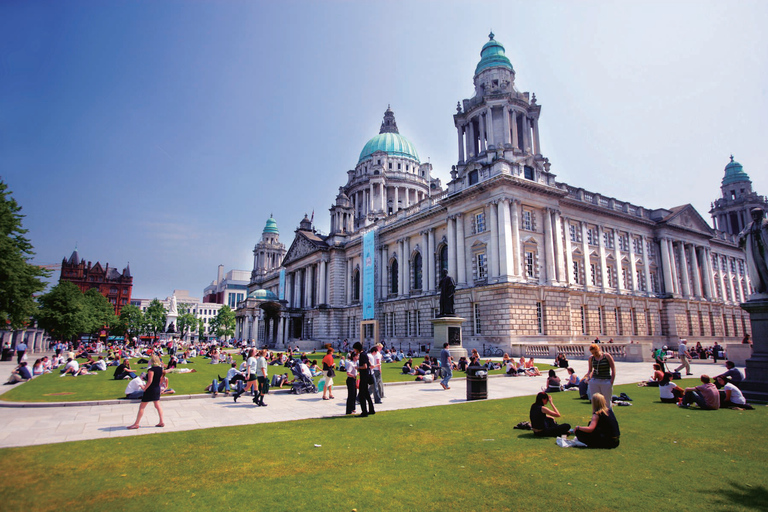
x,y
637,245
624,242
530,264
611,274
601,319
528,220
625,278
478,223
608,239
575,233
481,261
576,273
478,329
593,273
584,329
592,236
539,318
640,277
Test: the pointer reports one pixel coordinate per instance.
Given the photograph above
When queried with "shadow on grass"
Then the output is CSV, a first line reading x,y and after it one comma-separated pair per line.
x,y
743,495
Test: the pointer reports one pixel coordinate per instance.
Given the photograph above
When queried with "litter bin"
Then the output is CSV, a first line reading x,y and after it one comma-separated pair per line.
x,y
7,354
477,383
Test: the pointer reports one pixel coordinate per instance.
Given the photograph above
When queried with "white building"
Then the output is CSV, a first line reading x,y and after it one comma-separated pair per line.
x,y
206,311
535,260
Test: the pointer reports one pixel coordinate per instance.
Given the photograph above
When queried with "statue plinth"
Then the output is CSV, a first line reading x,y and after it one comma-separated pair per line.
x,y
755,386
448,330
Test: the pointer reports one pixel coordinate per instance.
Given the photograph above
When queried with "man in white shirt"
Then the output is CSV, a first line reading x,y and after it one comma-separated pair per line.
x,y
685,357
72,367
375,358
135,388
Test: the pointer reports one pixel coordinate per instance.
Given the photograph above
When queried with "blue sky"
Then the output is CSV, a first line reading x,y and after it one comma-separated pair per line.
x,y
164,134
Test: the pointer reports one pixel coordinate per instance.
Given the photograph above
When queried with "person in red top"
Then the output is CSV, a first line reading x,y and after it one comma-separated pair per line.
x,y
327,367
706,395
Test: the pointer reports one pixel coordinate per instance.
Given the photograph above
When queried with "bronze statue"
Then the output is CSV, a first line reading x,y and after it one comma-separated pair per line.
x,y
447,290
754,241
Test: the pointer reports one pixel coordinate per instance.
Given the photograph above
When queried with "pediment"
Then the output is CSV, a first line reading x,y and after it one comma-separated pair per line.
x,y
686,217
301,247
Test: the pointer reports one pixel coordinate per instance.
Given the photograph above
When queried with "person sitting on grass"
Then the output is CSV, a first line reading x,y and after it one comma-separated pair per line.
x,y
732,373
669,392
730,395
573,380
99,365
165,389
542,415
511,367
20,374
135,388
553,382
531,370
38,368
408,367
124,370
655,378
705,395
73,368
603,430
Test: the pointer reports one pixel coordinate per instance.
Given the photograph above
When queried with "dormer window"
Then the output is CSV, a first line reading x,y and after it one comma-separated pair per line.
x,y
473,177
390,165
398,166
528,172
407,167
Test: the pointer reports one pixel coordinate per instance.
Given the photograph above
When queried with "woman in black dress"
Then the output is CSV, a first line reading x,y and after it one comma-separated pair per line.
x,y
151,391
603,431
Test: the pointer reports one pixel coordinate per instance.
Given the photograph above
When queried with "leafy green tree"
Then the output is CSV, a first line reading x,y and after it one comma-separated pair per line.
x,y
200,328
99,312
223,324
63,312
131,321
154,318
19,280
186,322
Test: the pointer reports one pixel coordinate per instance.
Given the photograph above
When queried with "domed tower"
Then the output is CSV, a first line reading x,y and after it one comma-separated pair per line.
x,y
269,252
498,125
731,212
388,177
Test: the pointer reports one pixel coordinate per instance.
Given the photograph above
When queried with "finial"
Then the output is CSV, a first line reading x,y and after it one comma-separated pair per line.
x,y
490,36
458,107
731,158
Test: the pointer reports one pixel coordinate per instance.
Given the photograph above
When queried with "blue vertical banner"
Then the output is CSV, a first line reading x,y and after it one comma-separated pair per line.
x,y
281,290
369,264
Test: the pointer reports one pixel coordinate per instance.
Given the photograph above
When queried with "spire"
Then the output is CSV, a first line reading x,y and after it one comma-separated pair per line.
x,y
388,125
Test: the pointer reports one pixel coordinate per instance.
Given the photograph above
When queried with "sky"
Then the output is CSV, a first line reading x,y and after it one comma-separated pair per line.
x,y
164,134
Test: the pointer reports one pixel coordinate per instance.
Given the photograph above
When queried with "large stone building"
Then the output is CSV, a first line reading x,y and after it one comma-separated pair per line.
x,y
535,260
115,285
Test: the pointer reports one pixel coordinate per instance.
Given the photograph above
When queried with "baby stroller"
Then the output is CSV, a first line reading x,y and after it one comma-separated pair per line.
x,y
301,383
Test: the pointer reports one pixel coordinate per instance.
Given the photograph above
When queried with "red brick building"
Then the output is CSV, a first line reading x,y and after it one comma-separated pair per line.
x,y
111,283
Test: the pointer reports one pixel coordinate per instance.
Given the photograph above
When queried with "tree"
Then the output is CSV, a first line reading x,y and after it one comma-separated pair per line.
x,y
223,324
186,322
99,312
63,312
201,328
19,280
154,318
131,321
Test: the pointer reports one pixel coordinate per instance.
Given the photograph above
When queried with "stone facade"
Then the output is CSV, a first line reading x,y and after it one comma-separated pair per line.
x,y
534,260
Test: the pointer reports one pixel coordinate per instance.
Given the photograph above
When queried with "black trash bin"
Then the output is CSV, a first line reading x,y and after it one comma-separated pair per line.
x,y
477,383
7,354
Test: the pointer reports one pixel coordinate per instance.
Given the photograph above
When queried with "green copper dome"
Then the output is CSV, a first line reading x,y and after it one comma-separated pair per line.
x,y
271,226
734,172
492,56
390,141
262,295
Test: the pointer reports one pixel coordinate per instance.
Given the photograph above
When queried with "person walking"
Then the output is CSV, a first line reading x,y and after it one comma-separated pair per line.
x,y
328,373
601,373
263,378
685,357
250,375
366,378
351,369
21,349
375,358
151,391
446,366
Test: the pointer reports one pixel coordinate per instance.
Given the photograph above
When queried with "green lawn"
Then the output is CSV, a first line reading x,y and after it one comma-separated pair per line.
x,y
101,386
460,457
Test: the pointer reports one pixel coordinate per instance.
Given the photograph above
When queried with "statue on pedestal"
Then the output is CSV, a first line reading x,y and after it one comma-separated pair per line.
x,y
754,241
447,291
173,310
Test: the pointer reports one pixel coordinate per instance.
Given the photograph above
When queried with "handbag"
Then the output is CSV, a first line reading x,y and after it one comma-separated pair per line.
x,y
331,372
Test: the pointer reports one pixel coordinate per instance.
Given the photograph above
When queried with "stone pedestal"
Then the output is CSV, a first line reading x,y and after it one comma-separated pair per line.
x,y
448,330
755,387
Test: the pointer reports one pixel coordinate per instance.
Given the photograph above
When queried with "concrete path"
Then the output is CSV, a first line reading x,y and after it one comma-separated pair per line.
x,y
24,426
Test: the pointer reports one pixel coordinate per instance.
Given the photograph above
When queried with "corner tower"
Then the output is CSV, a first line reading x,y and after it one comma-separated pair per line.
x,y
269,252
730,213
498,125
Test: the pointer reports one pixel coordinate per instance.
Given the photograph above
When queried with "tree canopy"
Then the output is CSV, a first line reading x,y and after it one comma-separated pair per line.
x,y
186,321
223,324
19,279
66,312
131,321
154,318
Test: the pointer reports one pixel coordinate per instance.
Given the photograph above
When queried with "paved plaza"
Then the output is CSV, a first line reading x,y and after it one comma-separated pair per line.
x,y
33,424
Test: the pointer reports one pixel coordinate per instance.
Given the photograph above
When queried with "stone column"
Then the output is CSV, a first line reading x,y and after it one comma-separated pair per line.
x,y
460,252
403,267
281,320
288,289
536,145
451,233
396,206
426,275
549,250
516,262
493,243
706,271
734,297
407,266
256,328
617,259
526,134
721,278
505,118
647,247
321,280
460,131
431,260
568,252
603,261
686,282
489,126
695,271
587,259
559,260
471,142
482,129
514,130
383,266
506,238
633,284
666,261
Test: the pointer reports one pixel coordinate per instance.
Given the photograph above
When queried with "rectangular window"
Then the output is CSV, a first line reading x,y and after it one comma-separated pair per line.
x,y
584,320
624,243
527,220
637,245
611,276
640,277
408,323
601,319
593,273
592,236
392,324
576,275
477,324
625,278
572,232
690,323
530,259
617,317
701,323
735,326
648,322
711,324
418,323
608,239
482,266
725,325
480,222
539,318
633,318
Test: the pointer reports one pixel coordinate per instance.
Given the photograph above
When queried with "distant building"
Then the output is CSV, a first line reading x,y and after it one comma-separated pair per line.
x,y
116,286
229,288
731,213
201,309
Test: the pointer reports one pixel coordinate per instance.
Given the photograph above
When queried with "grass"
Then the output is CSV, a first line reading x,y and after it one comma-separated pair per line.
x,y
101,386
461,457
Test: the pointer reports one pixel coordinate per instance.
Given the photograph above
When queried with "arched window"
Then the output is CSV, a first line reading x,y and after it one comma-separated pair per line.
x,y
417,272
443,261
356,286
395,275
